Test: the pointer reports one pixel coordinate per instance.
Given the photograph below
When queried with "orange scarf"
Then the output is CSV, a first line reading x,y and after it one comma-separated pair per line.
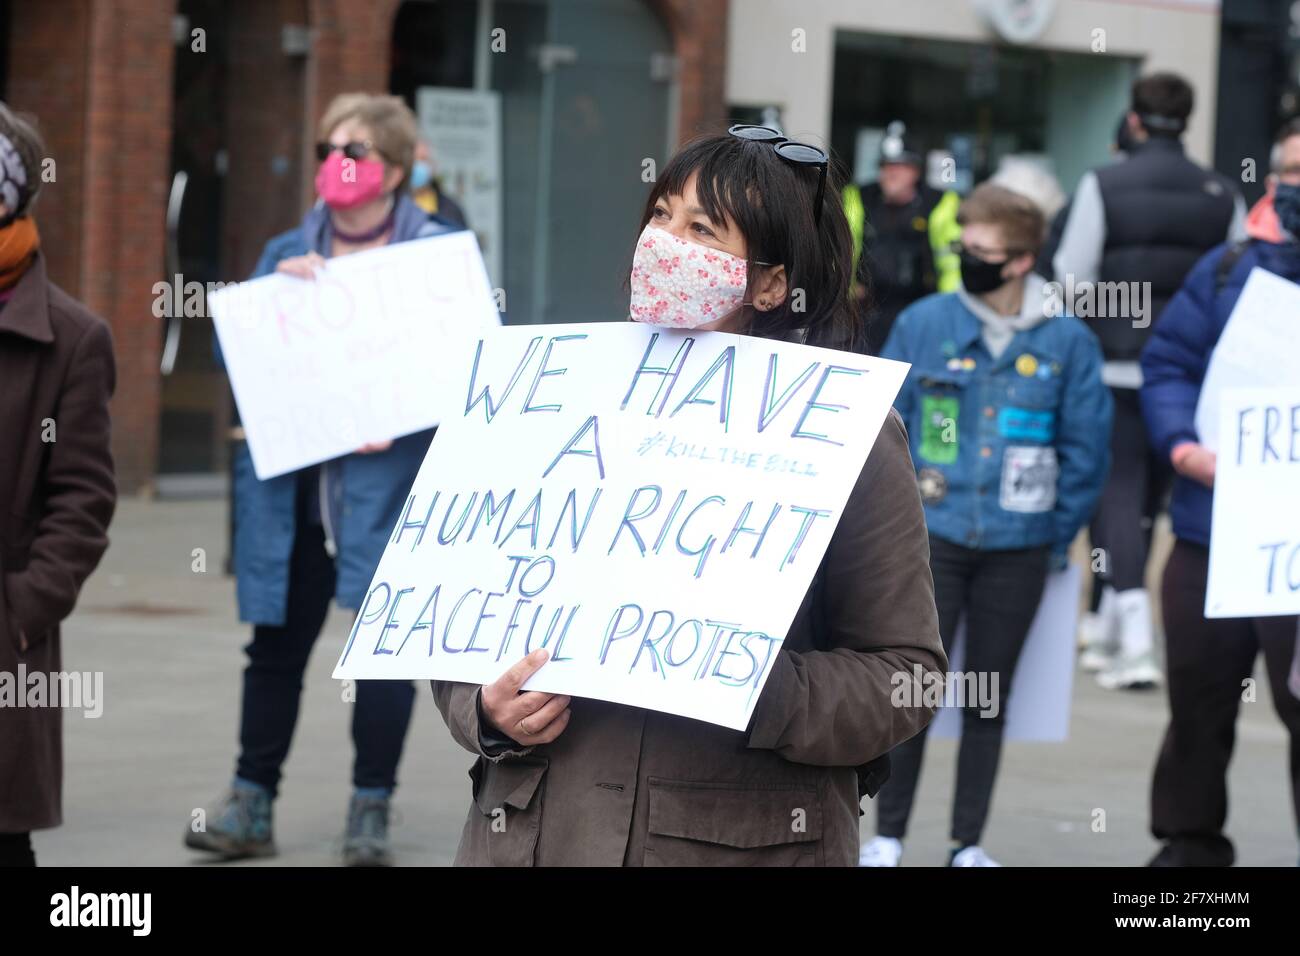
x,y
18,244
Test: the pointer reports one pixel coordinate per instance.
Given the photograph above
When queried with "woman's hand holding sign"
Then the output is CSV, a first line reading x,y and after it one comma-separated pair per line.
x,y
1194,461
528,718
304,267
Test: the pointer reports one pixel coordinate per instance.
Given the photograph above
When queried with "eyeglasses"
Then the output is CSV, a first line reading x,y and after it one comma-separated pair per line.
x,y
957,247
354,150
801,154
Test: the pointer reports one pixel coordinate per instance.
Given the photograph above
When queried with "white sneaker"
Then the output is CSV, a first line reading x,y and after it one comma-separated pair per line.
x,y
1131,673
1136,626
972,856
881,851
1099,633
1098,648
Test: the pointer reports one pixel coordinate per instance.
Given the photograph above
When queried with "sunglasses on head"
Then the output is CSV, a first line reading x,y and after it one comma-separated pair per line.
x,y
801,154
354,150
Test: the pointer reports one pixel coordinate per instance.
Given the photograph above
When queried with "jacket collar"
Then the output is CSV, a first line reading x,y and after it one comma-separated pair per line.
x,y
27,312
968,330
1158,144
408,222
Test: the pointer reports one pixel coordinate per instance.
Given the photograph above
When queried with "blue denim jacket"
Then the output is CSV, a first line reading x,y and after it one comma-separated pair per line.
x,y
1010,453
364,494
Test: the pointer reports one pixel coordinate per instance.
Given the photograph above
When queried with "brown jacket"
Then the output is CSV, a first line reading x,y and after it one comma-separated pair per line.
x,y
626,786
56,499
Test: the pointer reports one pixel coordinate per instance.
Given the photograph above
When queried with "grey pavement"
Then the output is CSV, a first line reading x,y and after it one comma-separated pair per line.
x,y
169,644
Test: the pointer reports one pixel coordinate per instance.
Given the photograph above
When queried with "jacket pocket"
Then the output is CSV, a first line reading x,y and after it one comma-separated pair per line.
x,y
15,553
506,817
699,823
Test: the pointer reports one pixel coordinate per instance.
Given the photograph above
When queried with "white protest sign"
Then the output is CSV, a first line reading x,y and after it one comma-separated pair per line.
x,y
1038,708
1260,346
1255,526
359,355
648,504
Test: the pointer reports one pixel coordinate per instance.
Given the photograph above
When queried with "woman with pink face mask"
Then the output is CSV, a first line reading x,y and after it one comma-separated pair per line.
x,y
305,538
741,233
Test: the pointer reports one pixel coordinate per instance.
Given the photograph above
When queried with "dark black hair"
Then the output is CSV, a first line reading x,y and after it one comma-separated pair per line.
x,y
1163,101
1123,137
771,201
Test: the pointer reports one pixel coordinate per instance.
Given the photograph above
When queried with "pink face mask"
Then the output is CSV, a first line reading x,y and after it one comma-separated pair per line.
x,y
682,284
344,183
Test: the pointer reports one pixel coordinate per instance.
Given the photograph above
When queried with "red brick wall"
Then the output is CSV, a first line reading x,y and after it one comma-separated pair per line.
x,y
266,130
47,78
128,161
98,76
699,31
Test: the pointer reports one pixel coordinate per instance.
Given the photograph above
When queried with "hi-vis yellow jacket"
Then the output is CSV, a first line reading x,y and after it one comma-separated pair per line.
x,y
942,229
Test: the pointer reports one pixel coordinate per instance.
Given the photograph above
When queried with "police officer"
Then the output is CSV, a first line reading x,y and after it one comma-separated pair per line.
x,y
902,230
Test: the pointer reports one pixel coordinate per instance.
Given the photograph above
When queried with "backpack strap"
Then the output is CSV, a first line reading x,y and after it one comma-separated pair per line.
x,y
1227,262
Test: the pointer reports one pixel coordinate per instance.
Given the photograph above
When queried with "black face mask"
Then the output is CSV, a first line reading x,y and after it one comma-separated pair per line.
x,y
1286,203
978,276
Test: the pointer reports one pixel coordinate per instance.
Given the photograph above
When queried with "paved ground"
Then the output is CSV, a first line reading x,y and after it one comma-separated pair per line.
x,y
168,642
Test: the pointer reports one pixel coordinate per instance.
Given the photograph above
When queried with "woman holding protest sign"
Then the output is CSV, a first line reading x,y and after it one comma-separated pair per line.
x,y
308,536
564,781
1212,660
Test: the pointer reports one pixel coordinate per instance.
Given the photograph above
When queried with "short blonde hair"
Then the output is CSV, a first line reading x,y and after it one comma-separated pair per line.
x,y
393,127
1021,221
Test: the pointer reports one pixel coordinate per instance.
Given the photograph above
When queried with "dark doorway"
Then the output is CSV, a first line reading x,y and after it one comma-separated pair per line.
x,y
192,390
237,157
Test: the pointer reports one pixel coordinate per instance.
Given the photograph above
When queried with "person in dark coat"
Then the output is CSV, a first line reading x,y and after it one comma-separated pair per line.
x,y
568,781
901,233
1134,230
1210,658
57,490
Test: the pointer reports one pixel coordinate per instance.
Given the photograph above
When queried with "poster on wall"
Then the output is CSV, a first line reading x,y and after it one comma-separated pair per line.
x,y
463,128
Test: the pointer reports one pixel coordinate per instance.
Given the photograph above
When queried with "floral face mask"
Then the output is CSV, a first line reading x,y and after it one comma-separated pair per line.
x,y
682,284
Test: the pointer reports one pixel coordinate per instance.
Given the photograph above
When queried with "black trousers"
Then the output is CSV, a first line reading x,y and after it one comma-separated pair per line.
x,y
1132,498
16,850
1208,662
999,592
277,659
